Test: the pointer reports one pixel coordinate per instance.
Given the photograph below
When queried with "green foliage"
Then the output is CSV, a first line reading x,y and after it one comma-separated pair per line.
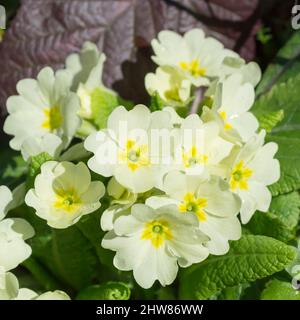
x,y
75,153
268,121
73,257
282,219
35,166
85,129
166,293
66,254
12,168
73,260
103,102
250,258
207,101
231,293
48,282
283,96
280,290
90,228
286,65
156,102
108,291
126,103
253,290
264,35
287,209
269,108
289,157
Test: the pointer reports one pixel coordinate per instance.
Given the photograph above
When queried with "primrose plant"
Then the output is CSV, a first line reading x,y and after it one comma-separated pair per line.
x,y
173,181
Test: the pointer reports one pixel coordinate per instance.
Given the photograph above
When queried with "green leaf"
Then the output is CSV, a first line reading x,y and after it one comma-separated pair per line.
x,y
37,161
253,290
75,153
264,35
280,290
73,257
108,291
287,209
85,129
126,103
48,282
207,101
103,101
156,102
231,293
166,293
289,157
283,97
282,219
41,245
66,254
12,168
268,121
89,225
35,166
250,258
268,224
285,65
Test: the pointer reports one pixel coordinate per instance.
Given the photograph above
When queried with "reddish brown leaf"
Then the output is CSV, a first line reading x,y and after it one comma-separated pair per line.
x,y
44,32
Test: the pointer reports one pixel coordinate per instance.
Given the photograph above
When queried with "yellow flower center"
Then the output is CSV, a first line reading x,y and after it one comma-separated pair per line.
x,y
227,125
193,67
53,118
239,176
193,157
157,231
68,201
194,205
135,155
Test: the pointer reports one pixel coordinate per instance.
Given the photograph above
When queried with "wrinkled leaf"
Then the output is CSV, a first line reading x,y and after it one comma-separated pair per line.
x,y
249,259
35,166
268,121
44,33
284,96
282,219
289,157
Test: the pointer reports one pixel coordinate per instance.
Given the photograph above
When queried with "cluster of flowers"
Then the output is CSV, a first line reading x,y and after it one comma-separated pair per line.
x,y
179,176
